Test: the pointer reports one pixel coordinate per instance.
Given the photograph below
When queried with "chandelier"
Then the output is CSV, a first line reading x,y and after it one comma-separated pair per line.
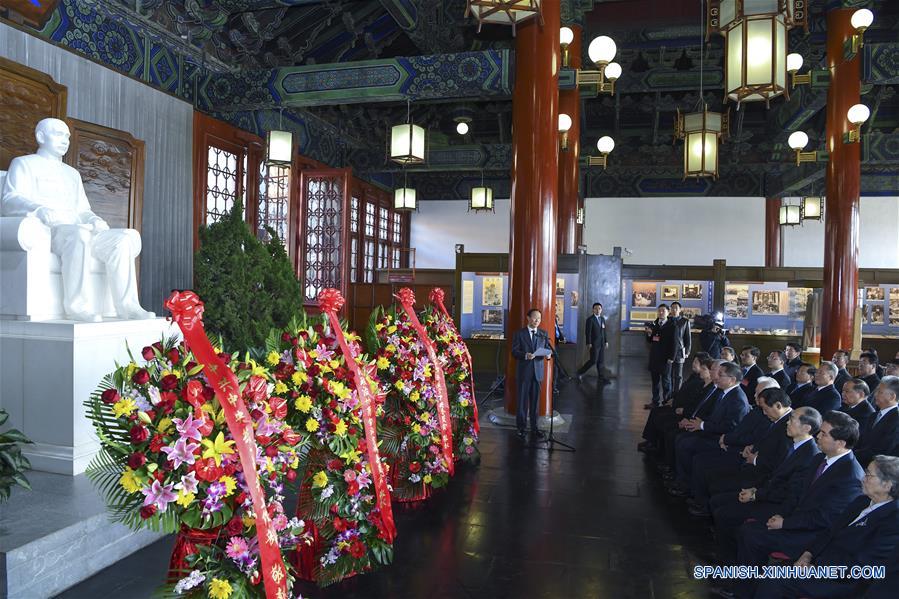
x,y
503,12
755,44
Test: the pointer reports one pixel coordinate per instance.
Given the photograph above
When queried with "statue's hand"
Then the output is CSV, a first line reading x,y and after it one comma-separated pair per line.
x,y
47,216
100,225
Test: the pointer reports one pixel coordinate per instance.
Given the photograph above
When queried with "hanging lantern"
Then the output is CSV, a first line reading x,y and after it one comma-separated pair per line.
x,y
755,42
404,199
789,215
481,199
407,144
503,12
701,132
812,208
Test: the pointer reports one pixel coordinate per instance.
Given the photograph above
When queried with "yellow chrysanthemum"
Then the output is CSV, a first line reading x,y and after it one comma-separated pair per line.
x,y
463,403
299,377
414,396
311,425
164,425
383,363
303,403
391,348
399,385
230,485
416,428
129,481
340,429
220,589
124,407
185,499
427,479
313,354
280,388
320,479
273,358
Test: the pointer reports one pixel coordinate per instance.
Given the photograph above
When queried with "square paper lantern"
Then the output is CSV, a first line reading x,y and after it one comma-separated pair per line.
x,y
404,199
481,199
812,208
407,144
503,12
279,148
701,132
789,215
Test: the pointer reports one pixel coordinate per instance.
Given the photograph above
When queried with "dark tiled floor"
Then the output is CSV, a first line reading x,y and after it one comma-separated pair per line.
x,y
525,524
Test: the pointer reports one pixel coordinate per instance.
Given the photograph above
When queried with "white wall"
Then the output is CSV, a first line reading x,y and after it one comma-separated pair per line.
x,y
878,237
682,231
439,225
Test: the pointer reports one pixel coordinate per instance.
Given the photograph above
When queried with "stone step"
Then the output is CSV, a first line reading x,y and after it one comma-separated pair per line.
x,y
57,535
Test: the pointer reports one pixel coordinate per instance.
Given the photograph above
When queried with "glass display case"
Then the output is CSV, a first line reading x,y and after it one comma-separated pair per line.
x,y
640,298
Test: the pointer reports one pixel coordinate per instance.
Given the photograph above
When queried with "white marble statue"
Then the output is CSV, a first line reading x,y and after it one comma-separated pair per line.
x,y
41,185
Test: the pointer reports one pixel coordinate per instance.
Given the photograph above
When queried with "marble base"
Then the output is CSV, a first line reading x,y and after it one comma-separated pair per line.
x,y
57,535
50,368
561,422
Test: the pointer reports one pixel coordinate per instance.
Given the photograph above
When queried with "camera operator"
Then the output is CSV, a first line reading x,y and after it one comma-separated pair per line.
x,y
713,338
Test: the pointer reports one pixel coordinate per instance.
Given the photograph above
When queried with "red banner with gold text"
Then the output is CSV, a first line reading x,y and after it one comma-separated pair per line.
x,y
187,313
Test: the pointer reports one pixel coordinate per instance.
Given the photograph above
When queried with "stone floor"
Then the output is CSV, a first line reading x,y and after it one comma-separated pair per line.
x,y
525,523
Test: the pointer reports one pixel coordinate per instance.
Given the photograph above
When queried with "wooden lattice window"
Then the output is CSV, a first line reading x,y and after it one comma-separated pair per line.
x,y
354,240
274,200
325,235
222,177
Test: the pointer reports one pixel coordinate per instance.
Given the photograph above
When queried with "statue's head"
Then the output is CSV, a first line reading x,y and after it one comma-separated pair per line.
x,y
52,136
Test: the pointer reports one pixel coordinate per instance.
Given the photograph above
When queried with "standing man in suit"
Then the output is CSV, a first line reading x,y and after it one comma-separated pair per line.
x,y
825,397
855,391
777,369
659,335
841,359
529,371
682,339
867,371
881,433
749,355
595,336
793,359
866,534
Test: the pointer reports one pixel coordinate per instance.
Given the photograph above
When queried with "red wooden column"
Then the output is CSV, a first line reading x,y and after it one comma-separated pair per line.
x,y
773,241
535,184
843,189
570,104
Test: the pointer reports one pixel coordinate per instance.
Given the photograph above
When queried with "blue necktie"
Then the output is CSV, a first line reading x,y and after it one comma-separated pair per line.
x,y
714,392
876,420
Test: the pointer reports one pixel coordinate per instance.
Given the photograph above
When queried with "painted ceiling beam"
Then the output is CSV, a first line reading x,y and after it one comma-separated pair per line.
x,y
481,74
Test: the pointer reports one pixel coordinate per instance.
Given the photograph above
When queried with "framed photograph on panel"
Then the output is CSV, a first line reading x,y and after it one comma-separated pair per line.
x,y
492,317
492,291
575,299
876,313
766,303
736,301
874,293
560,286
560,310
643,295
670,293
692,291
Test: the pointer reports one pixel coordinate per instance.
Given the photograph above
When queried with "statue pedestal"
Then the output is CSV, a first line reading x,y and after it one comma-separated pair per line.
x,y
49,369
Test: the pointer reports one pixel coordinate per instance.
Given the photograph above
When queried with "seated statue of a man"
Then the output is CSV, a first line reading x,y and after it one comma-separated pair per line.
x,y
41,185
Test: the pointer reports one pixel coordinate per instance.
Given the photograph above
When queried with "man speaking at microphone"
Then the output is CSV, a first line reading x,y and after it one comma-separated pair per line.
x,y
530,346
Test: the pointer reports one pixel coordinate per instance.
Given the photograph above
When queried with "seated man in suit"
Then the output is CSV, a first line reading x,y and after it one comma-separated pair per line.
x,y
776,362
759,460
703,435
825,397
802,385
831,482
664,417
729,453
731,509
855,393
749,355
891,368
792,359
729,354
529,371
866,534
841,360
881,433
867,371
702,408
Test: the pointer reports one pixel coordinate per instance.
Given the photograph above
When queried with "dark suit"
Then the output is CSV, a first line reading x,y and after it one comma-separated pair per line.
x,y
867,542
683,343
661,346
823,497
862,412
528,374
750,382
879,437
664,418
712,342
728,513
783,379
799,393
595,337
728,412
842,376
872,380
702,407
824,399
791,366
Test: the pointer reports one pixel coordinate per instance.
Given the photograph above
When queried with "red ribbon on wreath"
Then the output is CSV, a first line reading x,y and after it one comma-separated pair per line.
x,y
187,312
407,299
331,301
436,298
187,543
